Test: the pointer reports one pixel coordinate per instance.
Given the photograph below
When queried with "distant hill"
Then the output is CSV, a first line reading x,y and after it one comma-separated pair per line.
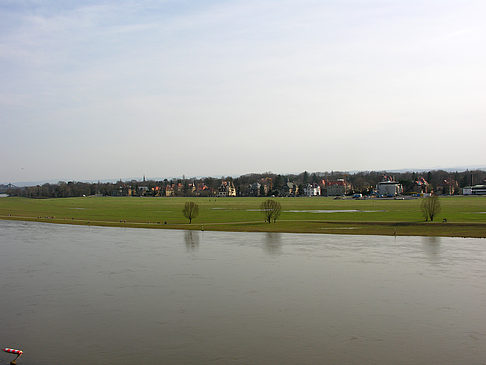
x,y
448,169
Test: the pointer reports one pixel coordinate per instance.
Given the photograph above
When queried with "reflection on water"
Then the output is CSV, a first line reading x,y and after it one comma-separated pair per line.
x,y
83,295
431,246
192,240
273,243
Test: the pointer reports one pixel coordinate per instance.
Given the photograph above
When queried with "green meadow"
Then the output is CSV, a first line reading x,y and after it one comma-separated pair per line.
x,y
466,216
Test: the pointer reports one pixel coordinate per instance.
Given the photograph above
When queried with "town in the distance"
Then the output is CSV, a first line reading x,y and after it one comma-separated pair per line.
x,y
358,185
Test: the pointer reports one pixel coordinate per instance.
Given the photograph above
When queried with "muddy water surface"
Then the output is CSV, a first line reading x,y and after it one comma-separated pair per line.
x,y
79,295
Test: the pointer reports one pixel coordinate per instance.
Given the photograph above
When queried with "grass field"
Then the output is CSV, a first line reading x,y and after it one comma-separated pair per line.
x,y
466,216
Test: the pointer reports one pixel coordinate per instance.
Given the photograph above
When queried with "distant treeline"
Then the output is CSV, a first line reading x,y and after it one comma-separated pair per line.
x,y
265,184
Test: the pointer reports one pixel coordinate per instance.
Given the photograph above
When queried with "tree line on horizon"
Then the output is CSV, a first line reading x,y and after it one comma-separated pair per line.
x,y
271,184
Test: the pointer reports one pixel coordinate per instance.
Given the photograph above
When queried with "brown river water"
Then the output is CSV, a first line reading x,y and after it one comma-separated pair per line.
x,y
94,295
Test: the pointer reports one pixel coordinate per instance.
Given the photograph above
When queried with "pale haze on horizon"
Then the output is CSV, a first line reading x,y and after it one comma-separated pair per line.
x,y
108,89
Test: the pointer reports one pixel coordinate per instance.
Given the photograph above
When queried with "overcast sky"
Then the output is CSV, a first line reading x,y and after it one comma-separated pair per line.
x,y
114,89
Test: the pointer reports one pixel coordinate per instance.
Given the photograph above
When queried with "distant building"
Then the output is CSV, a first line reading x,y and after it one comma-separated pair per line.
x,y
142,190
312,190
421,185
338,187
169,190
267,185
202,189
156,191
290,189
448,187
254,189
191,188
227,188
474,190
389,188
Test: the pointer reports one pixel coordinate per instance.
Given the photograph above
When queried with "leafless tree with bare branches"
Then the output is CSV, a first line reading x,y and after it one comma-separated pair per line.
x,y
271,210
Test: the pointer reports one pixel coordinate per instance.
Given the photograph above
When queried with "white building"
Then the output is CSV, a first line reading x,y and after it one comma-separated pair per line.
x,y
474,190
312,190
389,188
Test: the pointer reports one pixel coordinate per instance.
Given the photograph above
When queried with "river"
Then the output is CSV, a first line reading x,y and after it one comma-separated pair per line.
x,y
79,295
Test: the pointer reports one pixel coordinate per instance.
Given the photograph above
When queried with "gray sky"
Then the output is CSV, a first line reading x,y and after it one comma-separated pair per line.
x,y
108,89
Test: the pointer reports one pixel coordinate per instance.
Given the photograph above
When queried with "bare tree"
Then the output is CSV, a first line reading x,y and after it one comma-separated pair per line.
x,y
276,211
271,210
190,211
430,207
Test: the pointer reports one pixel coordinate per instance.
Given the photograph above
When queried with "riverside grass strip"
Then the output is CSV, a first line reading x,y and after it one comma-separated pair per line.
x,y
466,216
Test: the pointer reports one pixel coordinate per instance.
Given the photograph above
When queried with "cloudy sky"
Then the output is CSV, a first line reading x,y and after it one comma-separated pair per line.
x,y
110,89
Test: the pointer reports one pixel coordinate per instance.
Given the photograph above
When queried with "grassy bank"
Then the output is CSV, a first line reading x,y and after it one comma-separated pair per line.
x,y
465,216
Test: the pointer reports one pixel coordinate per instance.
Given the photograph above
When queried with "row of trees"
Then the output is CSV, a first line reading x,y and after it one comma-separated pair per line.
x,y
270,184
270,209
